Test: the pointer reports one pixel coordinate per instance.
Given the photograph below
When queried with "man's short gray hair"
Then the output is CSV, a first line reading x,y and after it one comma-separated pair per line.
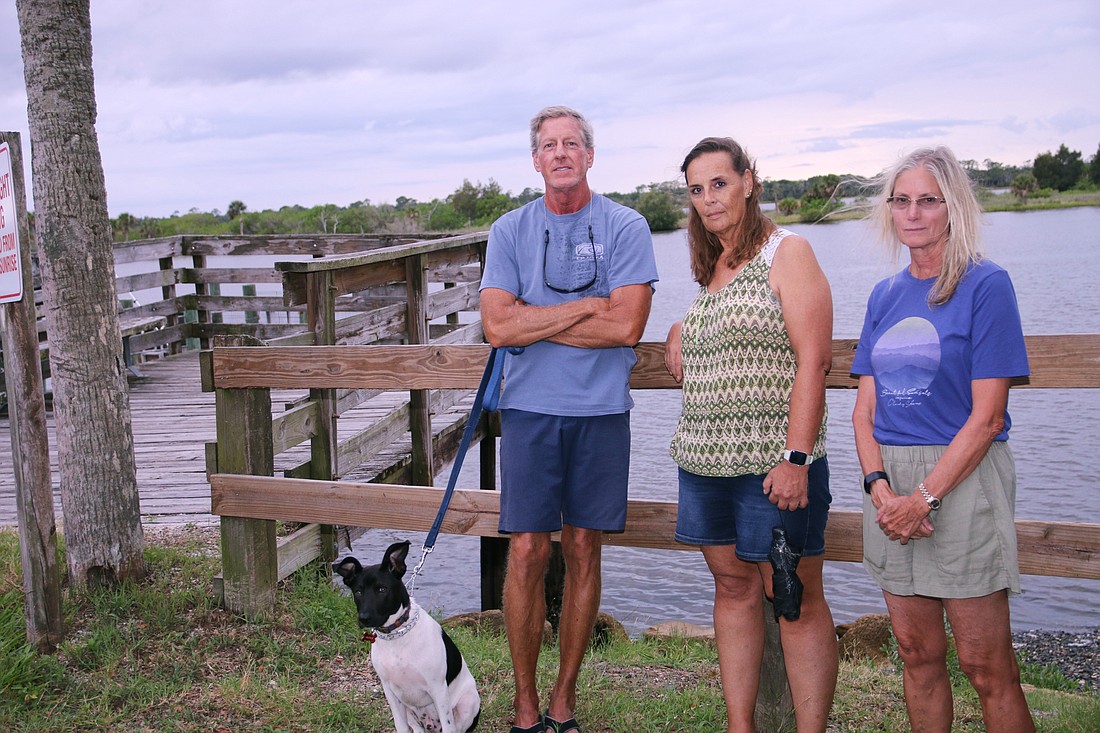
x,y
549,113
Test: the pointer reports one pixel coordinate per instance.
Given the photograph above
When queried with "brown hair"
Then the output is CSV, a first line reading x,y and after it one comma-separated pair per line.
x,y
705,246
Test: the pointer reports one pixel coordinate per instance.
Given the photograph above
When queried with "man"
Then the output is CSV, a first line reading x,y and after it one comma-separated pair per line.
x,y
569,277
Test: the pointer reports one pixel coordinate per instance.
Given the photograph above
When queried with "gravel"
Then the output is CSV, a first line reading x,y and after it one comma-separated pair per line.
x,y
1077,654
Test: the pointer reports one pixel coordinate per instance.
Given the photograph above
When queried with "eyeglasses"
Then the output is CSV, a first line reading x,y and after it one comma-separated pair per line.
x,y
923,202
573,269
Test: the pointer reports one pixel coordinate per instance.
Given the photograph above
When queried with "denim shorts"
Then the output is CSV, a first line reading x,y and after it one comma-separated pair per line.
x,y
734,510
558,469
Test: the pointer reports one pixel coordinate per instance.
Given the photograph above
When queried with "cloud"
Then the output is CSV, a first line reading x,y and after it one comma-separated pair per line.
x,y
304,103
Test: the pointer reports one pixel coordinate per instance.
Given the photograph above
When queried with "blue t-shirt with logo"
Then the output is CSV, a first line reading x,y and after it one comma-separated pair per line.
x,y
923,357
554,379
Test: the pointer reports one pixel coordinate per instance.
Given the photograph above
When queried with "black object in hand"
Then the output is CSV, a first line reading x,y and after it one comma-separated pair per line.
x,y
786,585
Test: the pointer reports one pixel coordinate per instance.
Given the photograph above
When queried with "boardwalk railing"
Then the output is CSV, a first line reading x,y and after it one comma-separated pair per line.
x,y
243,488
179,293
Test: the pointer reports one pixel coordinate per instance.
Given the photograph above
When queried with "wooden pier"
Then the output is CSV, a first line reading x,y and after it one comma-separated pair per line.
x,y
293,290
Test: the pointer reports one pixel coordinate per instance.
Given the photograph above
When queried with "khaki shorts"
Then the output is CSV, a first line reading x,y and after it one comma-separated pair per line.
x,y
972,551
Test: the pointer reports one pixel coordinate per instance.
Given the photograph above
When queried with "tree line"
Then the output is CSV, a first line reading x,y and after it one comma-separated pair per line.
x,y
664,205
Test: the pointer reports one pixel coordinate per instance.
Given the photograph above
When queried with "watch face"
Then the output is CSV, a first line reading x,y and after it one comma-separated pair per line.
x,y
797,457
935,503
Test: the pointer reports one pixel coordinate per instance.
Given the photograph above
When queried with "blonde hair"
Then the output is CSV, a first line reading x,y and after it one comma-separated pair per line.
x,y
551,113
704,245
963,247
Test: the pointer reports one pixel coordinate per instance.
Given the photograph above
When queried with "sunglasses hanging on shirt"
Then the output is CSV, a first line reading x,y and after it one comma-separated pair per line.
x,y
574,269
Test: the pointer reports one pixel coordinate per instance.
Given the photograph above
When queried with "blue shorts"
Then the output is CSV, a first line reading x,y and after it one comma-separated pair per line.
x,y
557,470
734,510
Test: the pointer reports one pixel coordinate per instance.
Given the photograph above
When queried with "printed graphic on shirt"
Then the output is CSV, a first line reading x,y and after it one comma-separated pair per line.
x,y
573,260
905,360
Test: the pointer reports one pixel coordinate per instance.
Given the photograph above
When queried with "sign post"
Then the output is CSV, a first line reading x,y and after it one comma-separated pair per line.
x,y
27,408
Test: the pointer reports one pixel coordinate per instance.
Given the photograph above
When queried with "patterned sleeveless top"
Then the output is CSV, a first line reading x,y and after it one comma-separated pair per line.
x,y
738,375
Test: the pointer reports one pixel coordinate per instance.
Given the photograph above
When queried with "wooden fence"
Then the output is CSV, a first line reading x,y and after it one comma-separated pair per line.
x,y
170,295
251,500
243,488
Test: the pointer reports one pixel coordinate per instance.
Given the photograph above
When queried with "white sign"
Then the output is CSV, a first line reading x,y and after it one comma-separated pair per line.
x,y
11,262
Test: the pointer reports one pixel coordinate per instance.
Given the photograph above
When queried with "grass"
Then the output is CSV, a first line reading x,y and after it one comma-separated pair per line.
x,y
160,655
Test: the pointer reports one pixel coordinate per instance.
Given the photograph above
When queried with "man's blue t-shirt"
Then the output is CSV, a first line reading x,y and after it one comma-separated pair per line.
x,y
554,379
924,358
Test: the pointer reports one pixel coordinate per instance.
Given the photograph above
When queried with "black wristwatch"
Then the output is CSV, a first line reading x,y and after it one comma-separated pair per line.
x,y
873,477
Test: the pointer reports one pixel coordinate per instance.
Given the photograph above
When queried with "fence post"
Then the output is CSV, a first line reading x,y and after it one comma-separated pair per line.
x,y
250,557
29,439
321,317
416,328
168,292
494,550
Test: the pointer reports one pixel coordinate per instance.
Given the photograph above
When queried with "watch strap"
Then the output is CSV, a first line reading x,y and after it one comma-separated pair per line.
x,y
872,478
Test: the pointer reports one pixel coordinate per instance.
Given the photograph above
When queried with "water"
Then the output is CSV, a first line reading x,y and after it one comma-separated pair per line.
x,y
1053,258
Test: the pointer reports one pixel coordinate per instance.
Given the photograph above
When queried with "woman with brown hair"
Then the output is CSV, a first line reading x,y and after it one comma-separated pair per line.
x,y
752,353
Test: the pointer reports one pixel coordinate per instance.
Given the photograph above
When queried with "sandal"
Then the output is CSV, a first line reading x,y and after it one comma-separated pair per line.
x,y
538,727
565,726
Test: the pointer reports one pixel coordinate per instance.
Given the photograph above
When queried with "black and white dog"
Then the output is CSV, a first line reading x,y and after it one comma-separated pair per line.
x,y
426,680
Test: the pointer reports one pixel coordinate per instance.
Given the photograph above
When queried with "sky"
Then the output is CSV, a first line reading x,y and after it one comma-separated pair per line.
x,y
282,102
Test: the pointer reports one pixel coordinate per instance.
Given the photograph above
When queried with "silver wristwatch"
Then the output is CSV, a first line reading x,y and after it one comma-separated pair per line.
x,y
933,502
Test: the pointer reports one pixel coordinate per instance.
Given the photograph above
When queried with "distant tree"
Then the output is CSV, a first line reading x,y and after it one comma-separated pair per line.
x,y
820,198
1094,168
626,199
104,544
787,206
236,209
404,202
661,210
781,189
362,218
491,206
122,226
464,199
1024,184
1061,170
822,187
527,196
440,216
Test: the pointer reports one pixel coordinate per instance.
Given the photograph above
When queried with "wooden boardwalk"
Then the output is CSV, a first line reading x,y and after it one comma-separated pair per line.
x,y
173,420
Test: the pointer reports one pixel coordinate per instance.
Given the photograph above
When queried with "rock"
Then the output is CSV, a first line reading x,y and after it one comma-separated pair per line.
x,y
865,638
491,621
679,630
607,631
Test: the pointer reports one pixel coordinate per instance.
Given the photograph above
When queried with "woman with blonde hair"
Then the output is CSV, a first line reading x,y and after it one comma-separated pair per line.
x,y
940,344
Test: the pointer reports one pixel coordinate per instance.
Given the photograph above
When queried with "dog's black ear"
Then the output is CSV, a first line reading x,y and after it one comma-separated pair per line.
x,y
394,559
347,568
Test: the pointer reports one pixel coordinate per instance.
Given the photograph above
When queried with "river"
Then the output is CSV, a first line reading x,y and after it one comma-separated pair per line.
x,y
1054,260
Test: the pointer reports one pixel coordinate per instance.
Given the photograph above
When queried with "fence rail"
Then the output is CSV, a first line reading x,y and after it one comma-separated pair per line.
x,y
182,306
1045,548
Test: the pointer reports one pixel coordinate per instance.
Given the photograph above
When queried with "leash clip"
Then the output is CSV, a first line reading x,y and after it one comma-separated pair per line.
x,y
419,566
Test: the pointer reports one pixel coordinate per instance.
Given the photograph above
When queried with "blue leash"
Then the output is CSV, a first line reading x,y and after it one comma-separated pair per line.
x,y
488,395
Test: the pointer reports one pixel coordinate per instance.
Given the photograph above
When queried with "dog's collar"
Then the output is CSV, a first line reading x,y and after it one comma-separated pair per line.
x,y
397,629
